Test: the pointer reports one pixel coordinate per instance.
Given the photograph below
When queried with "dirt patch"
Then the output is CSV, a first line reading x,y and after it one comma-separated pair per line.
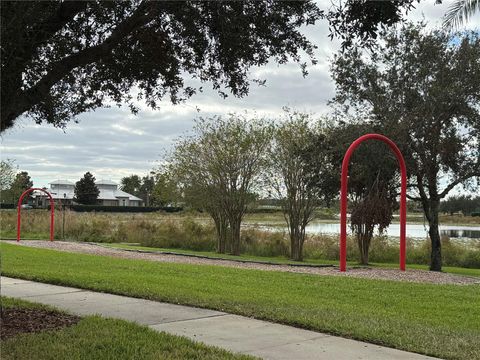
x,y
418,276
17,320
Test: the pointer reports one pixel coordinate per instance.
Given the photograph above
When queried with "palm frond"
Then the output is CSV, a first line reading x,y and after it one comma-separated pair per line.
x,y
459,12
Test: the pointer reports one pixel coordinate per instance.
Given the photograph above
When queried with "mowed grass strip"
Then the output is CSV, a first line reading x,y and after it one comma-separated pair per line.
x,y
437,320
99,338
212,254
283,260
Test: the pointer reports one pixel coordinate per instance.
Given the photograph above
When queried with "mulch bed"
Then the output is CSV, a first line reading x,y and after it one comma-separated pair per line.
x,y
16,321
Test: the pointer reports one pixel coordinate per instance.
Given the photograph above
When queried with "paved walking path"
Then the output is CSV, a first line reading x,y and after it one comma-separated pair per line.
x,y
236,333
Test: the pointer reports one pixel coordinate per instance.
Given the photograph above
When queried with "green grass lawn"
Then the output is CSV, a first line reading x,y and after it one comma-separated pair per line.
x,y
99,338
282,260
438,320
213,254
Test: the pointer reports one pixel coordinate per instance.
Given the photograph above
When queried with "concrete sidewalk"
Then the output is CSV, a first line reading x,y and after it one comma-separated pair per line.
x,y
236,333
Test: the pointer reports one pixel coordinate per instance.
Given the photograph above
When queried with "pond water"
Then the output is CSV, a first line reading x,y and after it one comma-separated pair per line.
x,y
417,231
413,230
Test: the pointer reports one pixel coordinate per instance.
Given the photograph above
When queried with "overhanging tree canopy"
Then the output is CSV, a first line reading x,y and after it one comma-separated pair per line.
x,y
61,58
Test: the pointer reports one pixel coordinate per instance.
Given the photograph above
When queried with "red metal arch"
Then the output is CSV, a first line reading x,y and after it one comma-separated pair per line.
x,y
343,197
19,212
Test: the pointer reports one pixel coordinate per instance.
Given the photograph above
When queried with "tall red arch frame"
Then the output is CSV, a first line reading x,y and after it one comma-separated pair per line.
x,y
343,197
19,211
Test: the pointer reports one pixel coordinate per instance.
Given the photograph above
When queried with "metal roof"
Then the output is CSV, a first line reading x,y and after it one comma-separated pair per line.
x,y
115,194
105,182
105,194
61,182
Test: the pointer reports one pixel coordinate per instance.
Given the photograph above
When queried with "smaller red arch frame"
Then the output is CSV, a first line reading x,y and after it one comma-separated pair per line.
x,y
343,197
19,211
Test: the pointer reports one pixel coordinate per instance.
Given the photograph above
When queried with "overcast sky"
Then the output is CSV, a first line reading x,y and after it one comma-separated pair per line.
x,y
112,143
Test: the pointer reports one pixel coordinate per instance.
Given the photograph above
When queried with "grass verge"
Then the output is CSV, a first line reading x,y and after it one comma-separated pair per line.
x,y
99,338
283,260
212,254
437,320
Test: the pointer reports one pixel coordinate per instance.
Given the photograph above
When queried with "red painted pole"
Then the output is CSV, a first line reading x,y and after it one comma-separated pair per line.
x,y
19,211
52,217
343,209
343,198
403,210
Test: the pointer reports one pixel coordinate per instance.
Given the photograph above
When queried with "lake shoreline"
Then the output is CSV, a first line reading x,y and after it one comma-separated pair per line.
x,y
461,233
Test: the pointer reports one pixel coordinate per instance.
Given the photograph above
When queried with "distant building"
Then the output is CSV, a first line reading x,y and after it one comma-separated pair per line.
x,y
63,192
110,195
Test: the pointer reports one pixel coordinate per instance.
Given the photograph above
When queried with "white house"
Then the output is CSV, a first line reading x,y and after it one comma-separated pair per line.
x,y
111,195
63,191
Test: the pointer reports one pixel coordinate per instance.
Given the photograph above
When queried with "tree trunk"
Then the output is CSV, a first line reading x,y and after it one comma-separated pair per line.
x,y
364,235
293,247
436,255
221,229
221,245
296,243
235,236
220,236
300,248
223,235
431,209
293,242
363,247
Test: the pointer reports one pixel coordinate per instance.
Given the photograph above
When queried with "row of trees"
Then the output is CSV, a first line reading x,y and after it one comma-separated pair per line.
x,y
12,182
228,162
465,204
155,189
420,88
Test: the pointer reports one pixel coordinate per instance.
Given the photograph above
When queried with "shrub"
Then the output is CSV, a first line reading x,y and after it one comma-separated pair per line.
x,y
471,259
8,206
323,247
264,210
187,234
87,227
262,243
